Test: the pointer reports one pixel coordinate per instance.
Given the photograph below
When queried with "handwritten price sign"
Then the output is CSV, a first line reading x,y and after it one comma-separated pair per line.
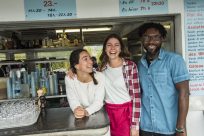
x,y
49,9
194,34
142,7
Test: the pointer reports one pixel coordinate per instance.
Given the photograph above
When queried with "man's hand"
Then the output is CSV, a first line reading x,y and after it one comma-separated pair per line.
x,y
134,132
79,112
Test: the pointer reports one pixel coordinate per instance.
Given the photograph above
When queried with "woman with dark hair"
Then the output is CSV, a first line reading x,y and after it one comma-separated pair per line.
x,y
122,88
85,91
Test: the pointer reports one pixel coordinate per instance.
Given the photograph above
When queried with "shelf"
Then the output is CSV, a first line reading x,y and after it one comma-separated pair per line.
x,y
11,63
51,96
41,49
31,61
6,100
45,61
56,96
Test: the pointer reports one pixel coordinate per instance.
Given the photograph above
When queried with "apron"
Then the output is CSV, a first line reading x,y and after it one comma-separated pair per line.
x,y
120,116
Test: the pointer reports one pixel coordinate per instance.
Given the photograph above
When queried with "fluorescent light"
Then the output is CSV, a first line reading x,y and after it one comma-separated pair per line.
x,y
85,30
71,30
59,31
167,26
96,29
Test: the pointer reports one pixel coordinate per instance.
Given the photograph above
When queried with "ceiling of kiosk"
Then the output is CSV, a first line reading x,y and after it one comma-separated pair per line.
x,y
125,26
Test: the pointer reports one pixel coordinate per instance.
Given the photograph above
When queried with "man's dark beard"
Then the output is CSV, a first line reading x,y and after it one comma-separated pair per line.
x,y
149,52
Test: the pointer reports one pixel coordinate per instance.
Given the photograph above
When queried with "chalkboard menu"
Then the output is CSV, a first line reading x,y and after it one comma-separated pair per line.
x,y
194,34
49,9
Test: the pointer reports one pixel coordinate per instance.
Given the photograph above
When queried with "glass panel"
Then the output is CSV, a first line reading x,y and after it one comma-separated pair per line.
x,y
20,56
60,66
94,50
2,56
57,55
56,66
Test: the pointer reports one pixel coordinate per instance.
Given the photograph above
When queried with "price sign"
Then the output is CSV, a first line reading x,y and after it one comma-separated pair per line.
x,y
194,34
49,9
143,7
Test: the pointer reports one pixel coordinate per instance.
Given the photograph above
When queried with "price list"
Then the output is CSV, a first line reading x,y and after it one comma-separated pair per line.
x,y
194,34
49,9
142,7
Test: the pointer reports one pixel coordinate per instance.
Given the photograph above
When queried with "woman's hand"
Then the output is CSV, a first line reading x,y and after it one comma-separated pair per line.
x,y
79,112
86,112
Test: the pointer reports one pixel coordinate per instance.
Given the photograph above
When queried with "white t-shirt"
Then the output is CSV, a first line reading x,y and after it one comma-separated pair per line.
x,y
87,95
116,90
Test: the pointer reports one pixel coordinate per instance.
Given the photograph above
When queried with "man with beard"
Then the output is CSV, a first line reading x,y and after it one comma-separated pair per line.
x,y
164,81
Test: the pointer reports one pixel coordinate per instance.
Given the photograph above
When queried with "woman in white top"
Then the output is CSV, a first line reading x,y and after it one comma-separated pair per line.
x,y
122,101
85,92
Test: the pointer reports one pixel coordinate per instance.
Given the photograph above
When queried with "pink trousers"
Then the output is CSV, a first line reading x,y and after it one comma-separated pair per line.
x,y
120,118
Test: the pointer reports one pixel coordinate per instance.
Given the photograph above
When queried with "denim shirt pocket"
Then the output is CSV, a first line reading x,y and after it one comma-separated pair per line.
x,y
160,77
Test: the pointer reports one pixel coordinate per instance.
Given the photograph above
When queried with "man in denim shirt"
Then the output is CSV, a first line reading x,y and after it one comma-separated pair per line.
x,y
164,80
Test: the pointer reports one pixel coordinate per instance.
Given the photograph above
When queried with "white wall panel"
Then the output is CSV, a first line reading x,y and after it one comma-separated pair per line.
x,y
12,10
97,8
195,123
175,6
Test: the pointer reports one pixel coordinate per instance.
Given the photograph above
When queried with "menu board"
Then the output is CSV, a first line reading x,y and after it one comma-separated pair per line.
x,y
49,9
142,7
194,34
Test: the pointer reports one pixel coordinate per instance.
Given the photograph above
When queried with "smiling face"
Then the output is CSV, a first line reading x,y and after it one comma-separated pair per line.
x,y
85,64
113,48
152,41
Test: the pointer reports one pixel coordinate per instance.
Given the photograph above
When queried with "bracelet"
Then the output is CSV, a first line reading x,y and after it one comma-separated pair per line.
x,y
179,130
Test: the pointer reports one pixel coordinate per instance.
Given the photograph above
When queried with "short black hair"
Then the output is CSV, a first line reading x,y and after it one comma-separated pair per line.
x,y
143,28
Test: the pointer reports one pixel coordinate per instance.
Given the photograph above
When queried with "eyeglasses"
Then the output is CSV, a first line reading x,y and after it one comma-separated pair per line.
x,y
155,38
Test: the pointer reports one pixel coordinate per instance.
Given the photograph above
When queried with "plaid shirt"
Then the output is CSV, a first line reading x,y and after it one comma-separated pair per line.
x,y
131,77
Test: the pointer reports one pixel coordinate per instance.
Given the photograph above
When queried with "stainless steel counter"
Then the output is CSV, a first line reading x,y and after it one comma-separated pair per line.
x,y
60,121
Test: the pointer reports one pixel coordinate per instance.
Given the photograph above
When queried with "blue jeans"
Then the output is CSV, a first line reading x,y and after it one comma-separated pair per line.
x,y
146,133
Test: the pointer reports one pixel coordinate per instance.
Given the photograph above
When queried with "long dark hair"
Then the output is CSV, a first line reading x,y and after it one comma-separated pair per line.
x,y
74,60
123,54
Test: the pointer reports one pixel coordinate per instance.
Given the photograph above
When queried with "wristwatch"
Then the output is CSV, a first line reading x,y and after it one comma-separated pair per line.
x,y
179,130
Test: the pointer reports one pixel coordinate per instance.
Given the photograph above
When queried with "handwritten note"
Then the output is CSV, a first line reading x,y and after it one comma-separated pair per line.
x,y
49,9
142,7
194,30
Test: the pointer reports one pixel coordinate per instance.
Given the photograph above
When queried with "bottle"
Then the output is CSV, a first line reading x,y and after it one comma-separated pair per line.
x,y
44,43
61,40
16,41
43,79
51,83
1,43
43,86
66,40
9,88
55,82
17,89
18,84
76,41
33,85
